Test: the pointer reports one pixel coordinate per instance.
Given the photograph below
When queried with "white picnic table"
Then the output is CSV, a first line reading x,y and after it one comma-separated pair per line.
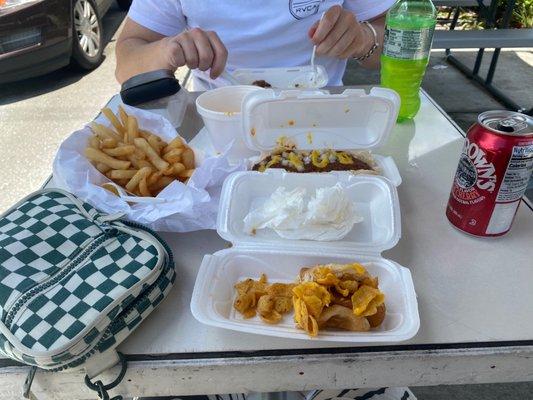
x,y
475,301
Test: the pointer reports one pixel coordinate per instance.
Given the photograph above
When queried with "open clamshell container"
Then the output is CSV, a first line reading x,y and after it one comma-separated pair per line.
x,y
280,259
304,77
352,120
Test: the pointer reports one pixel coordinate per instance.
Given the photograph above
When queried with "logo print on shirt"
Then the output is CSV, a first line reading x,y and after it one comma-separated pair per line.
x,y
301,9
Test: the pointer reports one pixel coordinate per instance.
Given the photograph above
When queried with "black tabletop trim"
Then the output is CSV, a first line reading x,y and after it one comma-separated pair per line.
x,y
328,351
307,352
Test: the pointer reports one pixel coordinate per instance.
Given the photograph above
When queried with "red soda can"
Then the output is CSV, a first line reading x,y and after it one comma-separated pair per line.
x,y
493,173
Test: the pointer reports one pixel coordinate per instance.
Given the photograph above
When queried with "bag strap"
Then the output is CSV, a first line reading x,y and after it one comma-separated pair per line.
x,y
26,388
98,386
100,362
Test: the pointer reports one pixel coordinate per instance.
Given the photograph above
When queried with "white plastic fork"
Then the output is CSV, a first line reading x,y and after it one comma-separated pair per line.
x,y
226,75
313,54
302,77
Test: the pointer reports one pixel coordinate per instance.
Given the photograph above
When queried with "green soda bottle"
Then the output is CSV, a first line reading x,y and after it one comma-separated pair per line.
x,y
408,34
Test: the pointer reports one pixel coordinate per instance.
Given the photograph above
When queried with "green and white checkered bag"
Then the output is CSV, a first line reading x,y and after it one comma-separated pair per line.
x,y
74,283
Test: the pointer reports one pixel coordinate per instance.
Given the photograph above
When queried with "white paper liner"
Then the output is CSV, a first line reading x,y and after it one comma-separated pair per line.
x,y
178,208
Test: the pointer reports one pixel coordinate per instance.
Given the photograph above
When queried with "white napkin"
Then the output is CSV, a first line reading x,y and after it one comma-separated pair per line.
x,y
328,215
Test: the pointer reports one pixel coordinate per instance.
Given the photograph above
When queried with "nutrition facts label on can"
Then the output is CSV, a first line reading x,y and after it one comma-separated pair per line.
x,y
517,174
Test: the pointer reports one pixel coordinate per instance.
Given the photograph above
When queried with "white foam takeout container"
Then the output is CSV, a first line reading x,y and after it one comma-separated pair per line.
x,y
220,110
376,200
304,77
352,120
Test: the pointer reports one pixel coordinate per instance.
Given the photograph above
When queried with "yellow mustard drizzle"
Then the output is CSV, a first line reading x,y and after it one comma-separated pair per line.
x,y
315,159
344,158
273,160
295,160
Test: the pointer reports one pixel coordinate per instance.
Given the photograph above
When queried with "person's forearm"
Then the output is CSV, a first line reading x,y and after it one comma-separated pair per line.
x,y
135,56
373,62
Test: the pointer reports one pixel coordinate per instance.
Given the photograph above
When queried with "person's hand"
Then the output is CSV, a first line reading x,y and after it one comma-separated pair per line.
x,y
196,49
339,34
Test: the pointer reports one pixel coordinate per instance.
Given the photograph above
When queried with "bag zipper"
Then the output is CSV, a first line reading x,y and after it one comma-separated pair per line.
x,y
110,231
141,227
80,257
78,361
168,265
60,267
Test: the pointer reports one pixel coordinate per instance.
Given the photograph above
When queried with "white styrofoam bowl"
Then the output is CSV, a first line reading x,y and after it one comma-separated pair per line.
x,y
220,110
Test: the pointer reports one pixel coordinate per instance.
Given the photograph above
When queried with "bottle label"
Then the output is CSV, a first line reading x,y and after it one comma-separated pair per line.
x,y
407,45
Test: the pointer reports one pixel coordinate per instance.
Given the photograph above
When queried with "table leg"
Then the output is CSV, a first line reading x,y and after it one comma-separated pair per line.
x,y
486,83
505,24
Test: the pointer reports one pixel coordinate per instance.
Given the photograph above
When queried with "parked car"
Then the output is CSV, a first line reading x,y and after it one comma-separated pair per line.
x,y
39,36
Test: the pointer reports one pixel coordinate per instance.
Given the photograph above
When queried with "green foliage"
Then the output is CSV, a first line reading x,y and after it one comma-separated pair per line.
x,y
469,17
471,20
523,14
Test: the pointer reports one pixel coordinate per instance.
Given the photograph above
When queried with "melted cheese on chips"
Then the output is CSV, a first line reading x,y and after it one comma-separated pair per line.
x,y
338,296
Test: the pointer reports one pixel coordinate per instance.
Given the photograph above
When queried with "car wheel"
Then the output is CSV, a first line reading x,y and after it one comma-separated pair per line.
x,y
124,4
88,38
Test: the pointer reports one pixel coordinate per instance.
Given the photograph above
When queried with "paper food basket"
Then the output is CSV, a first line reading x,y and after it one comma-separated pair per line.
x,y
179,207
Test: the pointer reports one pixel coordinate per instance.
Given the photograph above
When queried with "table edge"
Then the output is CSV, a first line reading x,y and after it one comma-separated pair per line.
x,y
459,349
437,347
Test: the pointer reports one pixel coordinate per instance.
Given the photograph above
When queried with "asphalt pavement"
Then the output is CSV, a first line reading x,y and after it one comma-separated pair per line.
x,y
37,114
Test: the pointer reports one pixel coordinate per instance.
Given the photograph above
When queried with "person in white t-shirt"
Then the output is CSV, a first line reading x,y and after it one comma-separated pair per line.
x,y
211,35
